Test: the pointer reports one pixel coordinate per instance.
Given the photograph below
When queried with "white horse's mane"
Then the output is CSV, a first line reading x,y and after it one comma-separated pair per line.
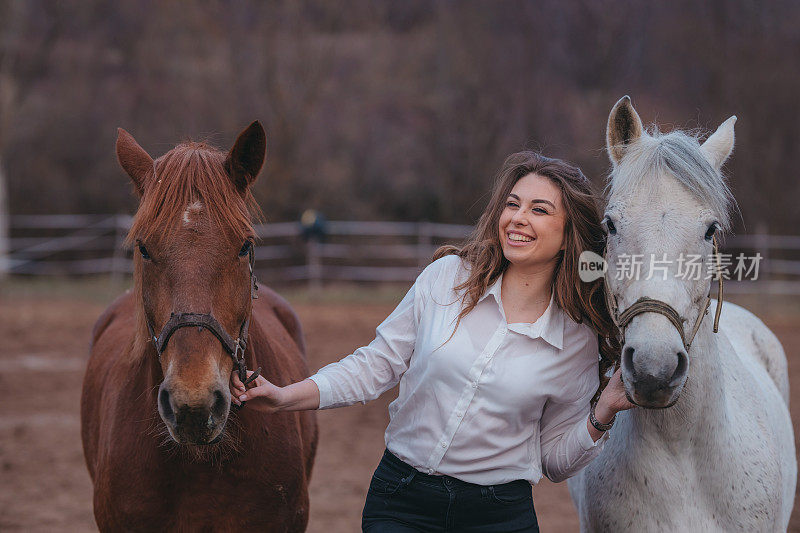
x,y
678,153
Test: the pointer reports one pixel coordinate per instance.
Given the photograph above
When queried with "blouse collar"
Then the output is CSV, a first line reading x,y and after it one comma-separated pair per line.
x,y
549,327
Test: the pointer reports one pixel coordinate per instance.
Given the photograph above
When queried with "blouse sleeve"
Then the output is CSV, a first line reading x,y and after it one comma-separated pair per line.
x,y
373,369
566,444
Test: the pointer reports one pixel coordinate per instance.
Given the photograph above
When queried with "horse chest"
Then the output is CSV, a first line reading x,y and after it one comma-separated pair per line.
x,y
630,487
143,485
168,495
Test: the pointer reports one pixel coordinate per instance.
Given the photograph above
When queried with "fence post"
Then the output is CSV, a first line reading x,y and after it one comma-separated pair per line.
x,y
314,265
424,241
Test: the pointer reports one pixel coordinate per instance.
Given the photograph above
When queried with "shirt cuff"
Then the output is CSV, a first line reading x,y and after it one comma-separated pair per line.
x,y
325,392
585,438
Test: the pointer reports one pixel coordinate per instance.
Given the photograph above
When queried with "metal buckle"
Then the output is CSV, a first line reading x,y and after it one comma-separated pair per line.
x,y
239,349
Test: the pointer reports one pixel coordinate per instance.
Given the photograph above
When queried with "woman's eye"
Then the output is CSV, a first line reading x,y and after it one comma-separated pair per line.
x,y
712,229
143,251
540,210
511,204
610,227
246,247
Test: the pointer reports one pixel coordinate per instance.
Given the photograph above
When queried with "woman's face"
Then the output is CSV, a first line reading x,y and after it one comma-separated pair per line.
x,y
532,222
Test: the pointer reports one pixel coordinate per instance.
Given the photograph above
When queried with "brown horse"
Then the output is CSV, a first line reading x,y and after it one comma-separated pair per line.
x,y
163,447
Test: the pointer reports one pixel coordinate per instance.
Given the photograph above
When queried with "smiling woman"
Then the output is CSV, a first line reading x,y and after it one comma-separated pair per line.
x,y
550,202
495,349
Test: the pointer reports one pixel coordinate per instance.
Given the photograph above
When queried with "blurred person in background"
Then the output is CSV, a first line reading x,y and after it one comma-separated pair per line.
x,y
495,348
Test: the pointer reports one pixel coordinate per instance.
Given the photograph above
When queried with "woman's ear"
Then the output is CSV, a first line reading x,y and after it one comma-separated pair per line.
x,y
245,159
133,159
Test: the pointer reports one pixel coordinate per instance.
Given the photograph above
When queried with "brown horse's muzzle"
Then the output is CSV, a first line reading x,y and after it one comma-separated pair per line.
x,y
193,419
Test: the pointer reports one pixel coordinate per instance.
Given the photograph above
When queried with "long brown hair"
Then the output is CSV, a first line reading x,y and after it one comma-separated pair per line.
x,y
582,302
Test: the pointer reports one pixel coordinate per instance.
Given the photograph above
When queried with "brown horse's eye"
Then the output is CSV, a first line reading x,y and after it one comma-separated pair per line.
x,y
246,247
143,251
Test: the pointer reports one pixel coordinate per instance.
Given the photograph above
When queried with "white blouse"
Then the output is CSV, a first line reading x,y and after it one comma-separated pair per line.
x,y
495,403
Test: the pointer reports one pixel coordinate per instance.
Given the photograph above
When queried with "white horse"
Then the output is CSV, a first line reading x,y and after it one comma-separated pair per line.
x,y
722,458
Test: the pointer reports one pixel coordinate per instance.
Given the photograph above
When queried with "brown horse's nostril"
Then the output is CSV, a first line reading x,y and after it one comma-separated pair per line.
x,y
166,405
220,404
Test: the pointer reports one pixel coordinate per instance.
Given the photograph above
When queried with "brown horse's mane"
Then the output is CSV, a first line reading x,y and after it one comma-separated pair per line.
x,y
191,172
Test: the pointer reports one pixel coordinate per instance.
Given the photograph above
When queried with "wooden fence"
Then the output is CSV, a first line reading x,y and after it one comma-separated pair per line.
x,y
351,251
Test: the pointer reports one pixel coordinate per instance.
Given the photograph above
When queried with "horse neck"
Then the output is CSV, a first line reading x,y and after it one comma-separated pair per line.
x,y
700,406
145,364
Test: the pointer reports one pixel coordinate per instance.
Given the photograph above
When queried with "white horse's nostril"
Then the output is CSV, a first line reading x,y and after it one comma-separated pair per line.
x,y
627,358
680,370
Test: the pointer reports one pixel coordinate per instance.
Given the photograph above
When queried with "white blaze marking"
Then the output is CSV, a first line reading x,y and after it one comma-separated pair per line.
x,y
191,209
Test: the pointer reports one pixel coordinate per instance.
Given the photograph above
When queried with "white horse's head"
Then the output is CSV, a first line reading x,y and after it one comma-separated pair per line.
x,y
666,200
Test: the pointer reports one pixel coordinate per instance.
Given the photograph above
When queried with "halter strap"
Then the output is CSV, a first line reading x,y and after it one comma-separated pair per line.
x,y
651,305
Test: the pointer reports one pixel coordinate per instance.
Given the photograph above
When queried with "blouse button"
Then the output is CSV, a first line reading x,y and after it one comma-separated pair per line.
x,y
474,384
444,444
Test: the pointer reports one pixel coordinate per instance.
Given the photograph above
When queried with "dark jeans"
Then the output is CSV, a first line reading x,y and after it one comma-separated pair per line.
x,y
402,499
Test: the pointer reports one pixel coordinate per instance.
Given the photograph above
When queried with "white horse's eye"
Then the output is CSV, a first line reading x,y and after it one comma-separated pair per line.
x,y
610,227
712,229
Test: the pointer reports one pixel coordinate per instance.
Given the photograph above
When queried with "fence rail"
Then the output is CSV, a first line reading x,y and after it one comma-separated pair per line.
x,y
351,251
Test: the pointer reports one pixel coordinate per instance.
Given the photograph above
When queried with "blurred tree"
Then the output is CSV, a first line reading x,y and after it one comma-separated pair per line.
x,y
388,110
29,32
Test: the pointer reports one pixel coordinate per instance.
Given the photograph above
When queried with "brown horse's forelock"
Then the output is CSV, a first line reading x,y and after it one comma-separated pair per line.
x,y
188,173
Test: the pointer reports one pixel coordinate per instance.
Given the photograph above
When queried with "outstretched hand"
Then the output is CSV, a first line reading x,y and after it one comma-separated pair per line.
x,y
263,396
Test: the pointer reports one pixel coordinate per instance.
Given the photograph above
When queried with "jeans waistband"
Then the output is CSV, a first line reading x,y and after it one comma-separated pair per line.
x,y
449,480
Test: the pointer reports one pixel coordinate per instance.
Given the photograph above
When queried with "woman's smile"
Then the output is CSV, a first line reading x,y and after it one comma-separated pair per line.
x,y
515,238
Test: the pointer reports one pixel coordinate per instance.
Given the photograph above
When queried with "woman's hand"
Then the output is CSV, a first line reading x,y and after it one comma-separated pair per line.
x,y
263,396
613,399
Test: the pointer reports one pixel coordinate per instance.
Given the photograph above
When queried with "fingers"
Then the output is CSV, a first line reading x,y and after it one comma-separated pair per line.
x,y
235,394
262,388
236,388
255,392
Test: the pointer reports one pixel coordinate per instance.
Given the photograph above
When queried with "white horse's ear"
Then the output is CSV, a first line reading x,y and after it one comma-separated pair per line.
x,y
624,127
719,146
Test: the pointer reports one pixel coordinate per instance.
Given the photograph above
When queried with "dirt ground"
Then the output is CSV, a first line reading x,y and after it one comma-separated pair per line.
x,y
45,486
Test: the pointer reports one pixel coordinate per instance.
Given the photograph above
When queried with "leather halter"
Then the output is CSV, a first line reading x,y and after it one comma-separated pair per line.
x,y
233,347
650,305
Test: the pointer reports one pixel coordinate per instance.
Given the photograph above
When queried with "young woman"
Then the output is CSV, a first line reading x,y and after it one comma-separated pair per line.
x,y
495,348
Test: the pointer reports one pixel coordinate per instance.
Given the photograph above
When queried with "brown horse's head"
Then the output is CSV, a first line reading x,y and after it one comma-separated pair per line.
x,y
193,234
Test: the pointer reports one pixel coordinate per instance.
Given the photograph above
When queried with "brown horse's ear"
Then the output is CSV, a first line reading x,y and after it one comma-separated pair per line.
x,y
133,158
247,155
624,127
